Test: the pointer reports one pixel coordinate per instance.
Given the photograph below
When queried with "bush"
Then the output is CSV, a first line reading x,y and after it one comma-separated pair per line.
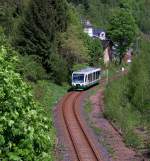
x,y
47,94
79,66
24,129
95,50
121,112
59,69
30,69
132,139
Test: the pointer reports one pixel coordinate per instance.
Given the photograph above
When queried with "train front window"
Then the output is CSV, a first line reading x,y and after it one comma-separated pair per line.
x,y
78,78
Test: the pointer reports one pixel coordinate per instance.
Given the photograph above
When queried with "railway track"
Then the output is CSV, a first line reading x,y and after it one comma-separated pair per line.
x,y
81,143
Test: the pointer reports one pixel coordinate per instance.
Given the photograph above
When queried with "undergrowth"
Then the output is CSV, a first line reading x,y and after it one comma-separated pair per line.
x,y
121,112
48,94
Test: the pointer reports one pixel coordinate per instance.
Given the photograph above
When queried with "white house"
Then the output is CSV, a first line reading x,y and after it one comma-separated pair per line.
x,y
88,28
99,33
94,32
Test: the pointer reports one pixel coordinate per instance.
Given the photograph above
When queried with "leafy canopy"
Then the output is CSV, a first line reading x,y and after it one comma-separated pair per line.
x,y
24,129
38,31
122,29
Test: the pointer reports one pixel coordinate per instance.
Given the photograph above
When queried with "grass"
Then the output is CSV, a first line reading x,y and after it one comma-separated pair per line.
x,y
121,112
48,94
96,130
102,139
88,106
112,69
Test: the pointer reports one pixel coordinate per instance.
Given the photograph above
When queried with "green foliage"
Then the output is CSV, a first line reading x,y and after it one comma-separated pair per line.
x,y
132,139
95,50
59,72
43,20
77,67
72,48
127,100
122,30
119,110
6,18
88,106
141,12
98,13
11,13
139,80
25,131
48,94
85,3
30,69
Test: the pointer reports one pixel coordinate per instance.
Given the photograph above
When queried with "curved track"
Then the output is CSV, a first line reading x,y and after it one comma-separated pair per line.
x,y
82,145
72,128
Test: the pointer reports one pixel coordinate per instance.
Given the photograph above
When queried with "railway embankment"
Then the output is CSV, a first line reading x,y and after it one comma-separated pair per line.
x,y
133,125
123,132
82,128
72,130
107,134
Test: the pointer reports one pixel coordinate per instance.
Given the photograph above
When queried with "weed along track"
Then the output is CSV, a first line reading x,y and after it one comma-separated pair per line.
x,y
79,141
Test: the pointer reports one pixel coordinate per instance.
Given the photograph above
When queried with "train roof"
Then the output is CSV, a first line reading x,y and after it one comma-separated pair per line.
x,y
87,70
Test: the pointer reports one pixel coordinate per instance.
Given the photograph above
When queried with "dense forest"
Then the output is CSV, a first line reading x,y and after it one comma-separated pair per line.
x,y
42,42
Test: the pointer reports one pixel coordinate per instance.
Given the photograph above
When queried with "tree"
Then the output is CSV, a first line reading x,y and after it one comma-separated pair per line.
x,y
24,128
139,80
85,3
38,31
72,48
122,30
10,14
95,50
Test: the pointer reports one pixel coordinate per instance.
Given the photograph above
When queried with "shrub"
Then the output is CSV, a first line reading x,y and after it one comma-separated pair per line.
x,y
30,69
121,112
24,129
59,69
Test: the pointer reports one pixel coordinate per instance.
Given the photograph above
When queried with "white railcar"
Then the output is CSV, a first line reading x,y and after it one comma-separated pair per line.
x,y
85,78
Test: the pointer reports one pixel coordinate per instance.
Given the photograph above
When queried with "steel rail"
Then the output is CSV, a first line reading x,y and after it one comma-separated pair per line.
x,y
67,128
80,125
72,102
89,140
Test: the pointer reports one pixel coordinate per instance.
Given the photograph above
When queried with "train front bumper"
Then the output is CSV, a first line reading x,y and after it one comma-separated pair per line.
x,y
78,86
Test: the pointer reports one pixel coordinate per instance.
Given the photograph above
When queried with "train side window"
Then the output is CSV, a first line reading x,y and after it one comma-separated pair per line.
x,y
95,75
86,78
98,73
90,77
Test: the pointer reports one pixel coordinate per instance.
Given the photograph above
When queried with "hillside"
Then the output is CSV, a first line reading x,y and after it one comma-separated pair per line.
x,y
43,42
